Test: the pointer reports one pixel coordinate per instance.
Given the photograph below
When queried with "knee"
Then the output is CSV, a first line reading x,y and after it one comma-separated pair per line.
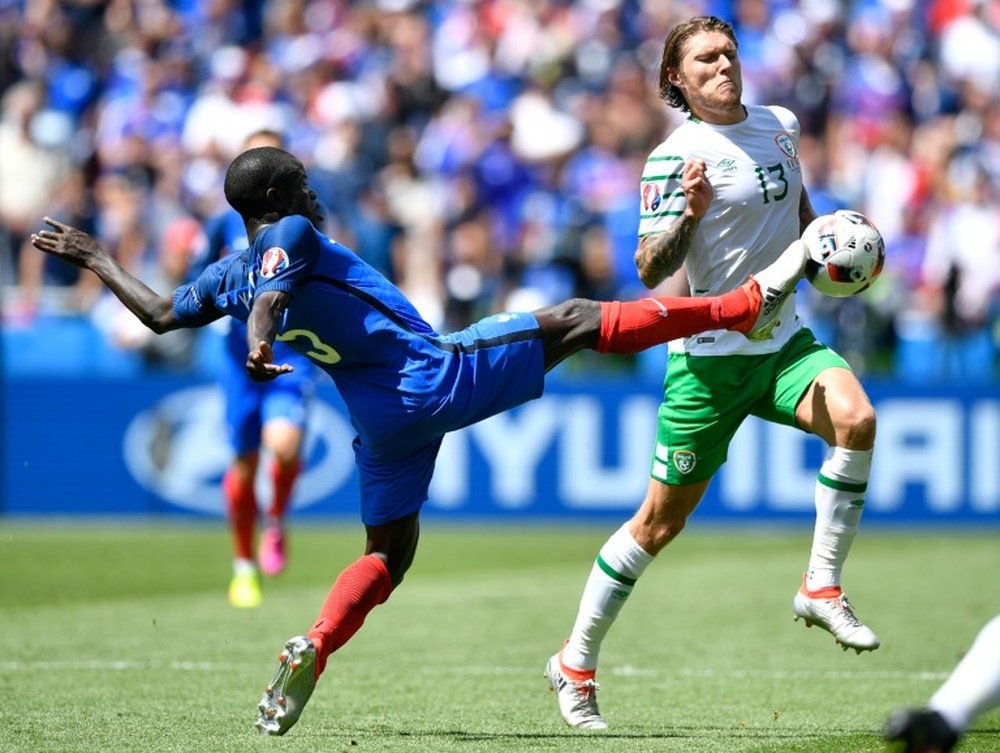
x,y
574,313
855,426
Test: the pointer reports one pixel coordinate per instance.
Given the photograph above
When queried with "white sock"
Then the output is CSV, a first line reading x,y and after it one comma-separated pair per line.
x,y
618,565
243,567
974,685
840,498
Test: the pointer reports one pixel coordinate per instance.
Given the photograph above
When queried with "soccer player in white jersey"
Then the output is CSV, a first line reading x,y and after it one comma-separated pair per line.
x,y
722,196
971,690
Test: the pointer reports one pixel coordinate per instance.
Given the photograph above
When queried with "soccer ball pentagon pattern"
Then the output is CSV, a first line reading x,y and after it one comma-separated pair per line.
x,y
845,253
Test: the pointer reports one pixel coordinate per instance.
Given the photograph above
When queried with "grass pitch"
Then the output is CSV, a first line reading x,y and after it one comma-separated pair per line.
x,y
119,638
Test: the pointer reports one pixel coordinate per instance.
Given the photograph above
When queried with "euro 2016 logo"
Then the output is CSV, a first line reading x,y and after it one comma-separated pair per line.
x,y
273,261
651,197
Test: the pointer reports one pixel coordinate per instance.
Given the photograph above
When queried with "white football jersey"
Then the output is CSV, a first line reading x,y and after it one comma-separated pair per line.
x,y
756,178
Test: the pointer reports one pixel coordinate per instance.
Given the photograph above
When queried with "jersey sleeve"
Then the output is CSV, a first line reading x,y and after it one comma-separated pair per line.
x,y
291,250
195,302
660,194
788,121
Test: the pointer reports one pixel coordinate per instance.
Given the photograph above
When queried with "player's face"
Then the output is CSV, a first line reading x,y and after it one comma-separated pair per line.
x,y
303,199
711,78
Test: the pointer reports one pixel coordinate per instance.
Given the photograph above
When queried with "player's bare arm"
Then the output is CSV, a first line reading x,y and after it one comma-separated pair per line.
x,y
262,329
660,255
806,212
81,250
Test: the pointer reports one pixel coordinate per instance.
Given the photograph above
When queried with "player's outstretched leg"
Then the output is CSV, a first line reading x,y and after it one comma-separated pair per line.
x,y
289,691
829,609
918,731
777,282
577,695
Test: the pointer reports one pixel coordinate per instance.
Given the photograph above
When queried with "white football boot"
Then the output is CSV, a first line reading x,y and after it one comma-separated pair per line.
x,y
777,281
290,689
829,609
577,699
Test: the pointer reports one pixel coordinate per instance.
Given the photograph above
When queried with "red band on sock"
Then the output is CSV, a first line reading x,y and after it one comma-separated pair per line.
x,y
577,675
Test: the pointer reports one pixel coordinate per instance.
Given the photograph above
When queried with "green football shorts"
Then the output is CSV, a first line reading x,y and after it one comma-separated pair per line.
x,y
707,398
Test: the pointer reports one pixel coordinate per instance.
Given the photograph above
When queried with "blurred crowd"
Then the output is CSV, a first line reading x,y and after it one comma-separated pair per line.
x,y
485,155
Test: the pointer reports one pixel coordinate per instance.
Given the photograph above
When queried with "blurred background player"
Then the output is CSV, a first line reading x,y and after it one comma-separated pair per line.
x,y
972,689
259,415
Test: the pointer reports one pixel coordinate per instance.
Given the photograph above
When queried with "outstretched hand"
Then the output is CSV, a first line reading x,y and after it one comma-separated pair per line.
x,y
261,366
67,243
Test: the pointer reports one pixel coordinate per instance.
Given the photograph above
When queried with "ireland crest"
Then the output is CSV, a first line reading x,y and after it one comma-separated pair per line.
x,y
786,145
684,461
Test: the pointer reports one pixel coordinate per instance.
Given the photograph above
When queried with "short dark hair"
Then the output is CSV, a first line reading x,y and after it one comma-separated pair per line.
x,y
673,53
252,173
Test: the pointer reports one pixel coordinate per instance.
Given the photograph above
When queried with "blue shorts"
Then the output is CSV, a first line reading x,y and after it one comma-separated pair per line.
x,y
250,405
498,365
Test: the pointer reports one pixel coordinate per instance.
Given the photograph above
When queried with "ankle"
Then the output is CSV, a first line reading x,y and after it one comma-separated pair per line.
x,y
577,675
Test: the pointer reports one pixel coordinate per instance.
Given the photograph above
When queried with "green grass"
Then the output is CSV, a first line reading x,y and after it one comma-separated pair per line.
x,y
119,638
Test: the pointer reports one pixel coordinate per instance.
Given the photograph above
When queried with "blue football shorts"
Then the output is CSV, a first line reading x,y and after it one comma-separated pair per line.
x,y
498,365
250,405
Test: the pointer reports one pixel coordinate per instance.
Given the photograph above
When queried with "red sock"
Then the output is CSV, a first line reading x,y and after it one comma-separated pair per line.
x,y
242,503
634,326
360,588
283,478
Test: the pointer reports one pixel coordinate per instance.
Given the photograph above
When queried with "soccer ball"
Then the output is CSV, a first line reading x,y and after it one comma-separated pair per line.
x,y
845,253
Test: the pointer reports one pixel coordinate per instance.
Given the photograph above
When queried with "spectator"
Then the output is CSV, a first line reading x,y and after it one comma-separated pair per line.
x,y
425,124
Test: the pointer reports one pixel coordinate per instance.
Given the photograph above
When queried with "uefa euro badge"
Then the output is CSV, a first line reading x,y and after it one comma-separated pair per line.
x,y
651,197
273,261
684,461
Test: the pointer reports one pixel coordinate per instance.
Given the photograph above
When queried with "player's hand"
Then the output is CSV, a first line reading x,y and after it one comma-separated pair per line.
x,y
697,189
67,243
261,366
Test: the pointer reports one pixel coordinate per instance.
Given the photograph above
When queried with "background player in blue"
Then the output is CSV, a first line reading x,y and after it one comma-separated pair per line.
x,y
259,415
404,384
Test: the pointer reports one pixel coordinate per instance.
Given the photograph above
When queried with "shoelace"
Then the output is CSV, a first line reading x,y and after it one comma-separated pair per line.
x,y
586,688
843,606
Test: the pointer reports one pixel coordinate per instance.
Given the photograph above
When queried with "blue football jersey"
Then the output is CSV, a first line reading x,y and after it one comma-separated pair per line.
x,y
390,367
226,234
404,385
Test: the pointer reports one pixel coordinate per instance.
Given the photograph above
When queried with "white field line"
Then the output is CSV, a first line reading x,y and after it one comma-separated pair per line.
x,y
97,665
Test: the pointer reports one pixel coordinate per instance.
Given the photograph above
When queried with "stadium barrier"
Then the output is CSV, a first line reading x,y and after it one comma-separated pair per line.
x,y
127,447
157,446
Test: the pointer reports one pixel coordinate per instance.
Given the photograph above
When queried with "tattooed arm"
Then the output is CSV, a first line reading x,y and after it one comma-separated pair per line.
x,y
659,255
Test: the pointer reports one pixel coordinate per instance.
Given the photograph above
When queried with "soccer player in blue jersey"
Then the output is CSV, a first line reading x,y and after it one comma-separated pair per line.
x,y
259,415
405,385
